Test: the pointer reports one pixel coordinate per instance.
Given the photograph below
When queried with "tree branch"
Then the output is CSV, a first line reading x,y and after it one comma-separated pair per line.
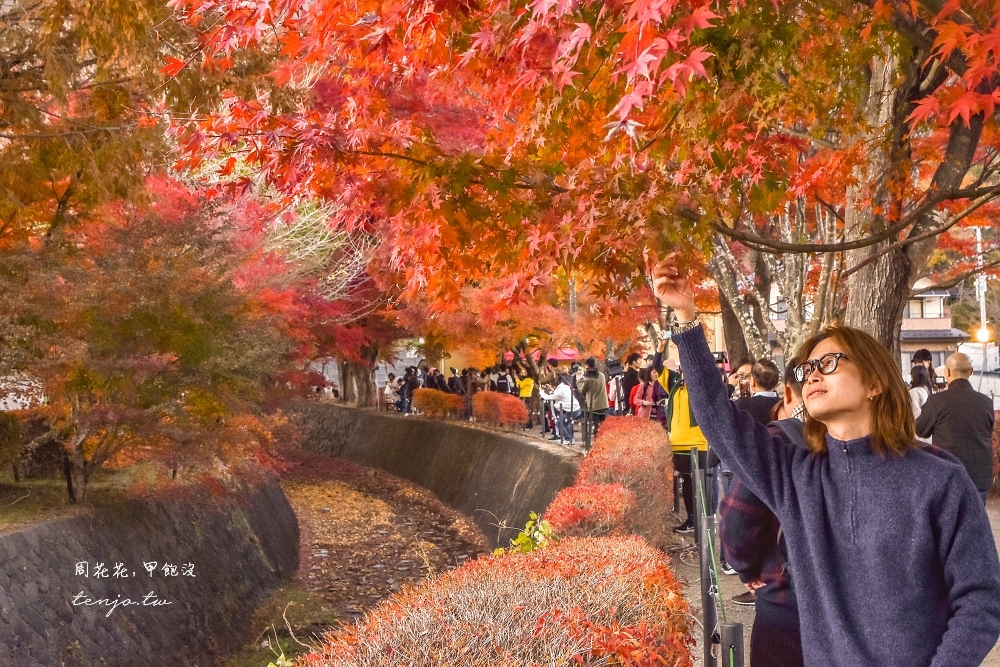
x,y
69,133
799,134
912,217
930,233
948,284
398,156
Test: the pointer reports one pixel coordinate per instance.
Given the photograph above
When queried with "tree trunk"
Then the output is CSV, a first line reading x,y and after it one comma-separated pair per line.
x,y
762,285
358,379
825,295
878,293
530,366
81,474
572,297
68,471
725,277
736,342
879,290
613,353
357,383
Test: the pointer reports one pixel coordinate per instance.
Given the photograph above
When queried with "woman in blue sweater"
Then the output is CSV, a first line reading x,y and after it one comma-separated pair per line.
x,y
892,556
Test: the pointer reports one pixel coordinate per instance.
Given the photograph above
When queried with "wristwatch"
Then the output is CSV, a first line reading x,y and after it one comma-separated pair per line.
x,y
678,327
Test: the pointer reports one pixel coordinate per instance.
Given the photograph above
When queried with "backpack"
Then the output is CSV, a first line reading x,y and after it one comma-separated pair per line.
x,y
503,383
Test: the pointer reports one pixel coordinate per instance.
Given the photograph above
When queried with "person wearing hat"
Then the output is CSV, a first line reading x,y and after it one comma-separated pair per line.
x,y
922,356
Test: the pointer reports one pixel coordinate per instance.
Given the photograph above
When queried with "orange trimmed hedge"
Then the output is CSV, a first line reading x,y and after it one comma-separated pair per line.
x,y
636,454
608,601
439,404
491,407
591,510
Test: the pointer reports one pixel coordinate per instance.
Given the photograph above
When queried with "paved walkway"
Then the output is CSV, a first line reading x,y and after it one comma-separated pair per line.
x,y
687,570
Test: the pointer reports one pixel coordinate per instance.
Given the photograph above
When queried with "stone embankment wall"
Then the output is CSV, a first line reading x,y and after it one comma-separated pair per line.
x,y
493,478
238,548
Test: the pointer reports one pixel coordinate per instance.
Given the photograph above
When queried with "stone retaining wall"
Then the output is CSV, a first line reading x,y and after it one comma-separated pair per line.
x,y
495,479
241,547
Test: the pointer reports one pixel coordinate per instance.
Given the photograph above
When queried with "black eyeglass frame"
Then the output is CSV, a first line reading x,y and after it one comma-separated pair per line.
x,y
806,368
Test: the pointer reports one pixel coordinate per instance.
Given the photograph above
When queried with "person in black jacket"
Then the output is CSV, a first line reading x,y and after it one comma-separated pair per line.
x,y
763,380
455,384
410,384
439,383
960,421
631,377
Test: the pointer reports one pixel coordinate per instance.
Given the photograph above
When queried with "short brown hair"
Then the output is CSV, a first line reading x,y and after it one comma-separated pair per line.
x,y
893,427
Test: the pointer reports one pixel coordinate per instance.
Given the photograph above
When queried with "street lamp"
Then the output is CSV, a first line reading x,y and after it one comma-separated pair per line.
x,y
983,336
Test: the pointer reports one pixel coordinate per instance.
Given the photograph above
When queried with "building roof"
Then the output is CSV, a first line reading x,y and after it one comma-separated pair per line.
x,y
932,293
933,334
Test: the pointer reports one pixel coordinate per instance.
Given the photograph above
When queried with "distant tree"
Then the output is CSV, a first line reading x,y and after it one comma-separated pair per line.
x,y
147,336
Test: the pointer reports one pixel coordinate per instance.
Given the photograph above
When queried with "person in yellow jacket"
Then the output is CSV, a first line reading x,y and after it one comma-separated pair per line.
x,y
685,434
525,390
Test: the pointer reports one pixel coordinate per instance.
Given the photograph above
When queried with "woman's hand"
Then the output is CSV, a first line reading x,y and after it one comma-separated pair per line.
x,y
672,287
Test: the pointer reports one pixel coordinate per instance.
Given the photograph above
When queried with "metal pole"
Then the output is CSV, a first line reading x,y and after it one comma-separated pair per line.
x,y
983,333
710,617
697,499
678,491
732,645
982,374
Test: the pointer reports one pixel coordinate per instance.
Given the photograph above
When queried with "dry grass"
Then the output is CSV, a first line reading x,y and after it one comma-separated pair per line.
x,y
597,601
45,498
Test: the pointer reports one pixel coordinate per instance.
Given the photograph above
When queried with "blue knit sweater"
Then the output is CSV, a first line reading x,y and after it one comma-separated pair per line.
x,y
893,560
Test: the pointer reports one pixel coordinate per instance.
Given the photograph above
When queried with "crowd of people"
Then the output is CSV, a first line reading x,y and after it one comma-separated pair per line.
x,y
559,399
850,503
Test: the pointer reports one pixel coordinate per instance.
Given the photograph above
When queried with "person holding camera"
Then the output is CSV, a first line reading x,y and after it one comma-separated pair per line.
x,y
685,433
567,406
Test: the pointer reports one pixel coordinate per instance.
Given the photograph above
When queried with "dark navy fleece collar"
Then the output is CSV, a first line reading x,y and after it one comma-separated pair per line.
x,y
859,448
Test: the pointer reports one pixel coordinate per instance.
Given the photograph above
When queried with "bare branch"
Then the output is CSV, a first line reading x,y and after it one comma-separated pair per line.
x,y
982,196
799,134
69,133
936,231
948,284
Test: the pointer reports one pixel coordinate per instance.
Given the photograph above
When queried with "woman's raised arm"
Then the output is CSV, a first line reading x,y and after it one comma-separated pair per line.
x,y
761,462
